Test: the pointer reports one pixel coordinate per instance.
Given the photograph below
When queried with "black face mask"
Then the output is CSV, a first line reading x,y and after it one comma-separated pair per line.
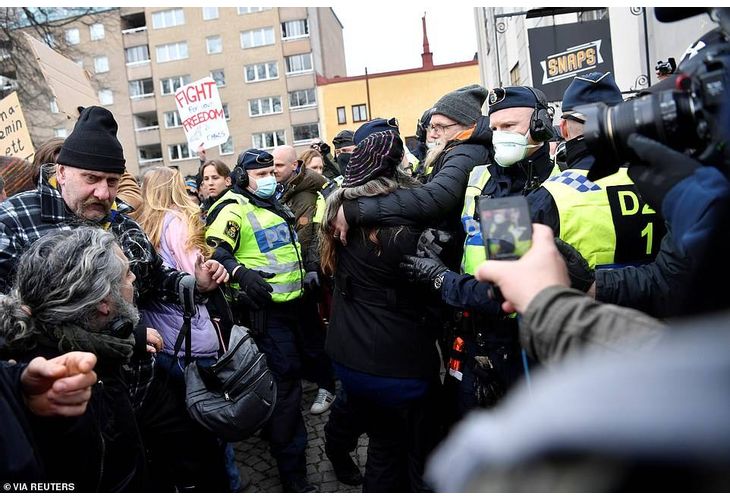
x,y
575,150
342,160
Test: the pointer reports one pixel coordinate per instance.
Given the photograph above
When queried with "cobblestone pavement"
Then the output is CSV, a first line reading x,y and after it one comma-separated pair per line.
x,y
258,466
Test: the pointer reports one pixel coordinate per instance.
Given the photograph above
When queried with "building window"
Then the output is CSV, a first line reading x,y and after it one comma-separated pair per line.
x,y
180,152
219,76
106,96
302,98
73,36
138,54
257,37
172,119
214,44
341,115
262,71
264,106
250,10
172,52
305,133
268,140
96,31
101,64
54,106
168,18
514,74
359,113
227,147
60,132
225,111
141,88
170,85
299,63
210,13
294,29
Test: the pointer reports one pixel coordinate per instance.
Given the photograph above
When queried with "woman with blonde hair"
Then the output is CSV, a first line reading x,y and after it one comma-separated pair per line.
x,y
173,224
313,160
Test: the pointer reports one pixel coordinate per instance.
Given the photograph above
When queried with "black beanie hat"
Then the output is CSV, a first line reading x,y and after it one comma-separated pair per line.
x,y
463,105
93,144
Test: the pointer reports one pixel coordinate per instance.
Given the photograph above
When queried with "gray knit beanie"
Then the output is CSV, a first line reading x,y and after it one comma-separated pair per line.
x,y
463,105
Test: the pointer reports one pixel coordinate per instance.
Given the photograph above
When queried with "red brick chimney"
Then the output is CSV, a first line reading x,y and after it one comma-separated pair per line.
x,y
427,55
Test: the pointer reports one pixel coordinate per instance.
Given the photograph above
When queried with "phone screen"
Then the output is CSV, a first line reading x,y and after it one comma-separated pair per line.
x,y
506,227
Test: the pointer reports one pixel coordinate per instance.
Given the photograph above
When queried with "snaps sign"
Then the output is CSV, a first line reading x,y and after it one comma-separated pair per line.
x,y
559,53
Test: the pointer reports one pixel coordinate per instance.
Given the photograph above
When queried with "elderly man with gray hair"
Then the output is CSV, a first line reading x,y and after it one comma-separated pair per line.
x,y
74,292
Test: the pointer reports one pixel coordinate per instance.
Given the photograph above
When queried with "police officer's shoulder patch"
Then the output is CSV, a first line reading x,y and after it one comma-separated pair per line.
x,y
232,229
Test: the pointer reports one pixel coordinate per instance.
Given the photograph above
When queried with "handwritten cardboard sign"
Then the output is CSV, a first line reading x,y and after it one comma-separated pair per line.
x,y
201,114
69,83
14,136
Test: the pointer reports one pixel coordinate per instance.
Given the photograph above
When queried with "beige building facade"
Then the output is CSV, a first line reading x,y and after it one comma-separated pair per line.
x,y
264,60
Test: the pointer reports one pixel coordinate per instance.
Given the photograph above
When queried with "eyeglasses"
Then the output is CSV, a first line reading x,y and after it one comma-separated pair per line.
x,y
439,129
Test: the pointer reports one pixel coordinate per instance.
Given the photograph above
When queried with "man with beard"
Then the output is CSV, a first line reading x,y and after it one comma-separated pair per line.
x,y
83,192
74,292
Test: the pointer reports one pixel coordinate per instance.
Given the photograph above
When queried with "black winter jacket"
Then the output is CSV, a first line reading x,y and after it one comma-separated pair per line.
x,y
439,201
658,288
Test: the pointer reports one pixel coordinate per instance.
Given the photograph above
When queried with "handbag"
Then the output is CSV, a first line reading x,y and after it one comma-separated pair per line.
x,y
234,397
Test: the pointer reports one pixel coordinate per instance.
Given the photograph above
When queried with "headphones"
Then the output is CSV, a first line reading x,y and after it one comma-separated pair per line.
x,y
240,174
541,121
121,328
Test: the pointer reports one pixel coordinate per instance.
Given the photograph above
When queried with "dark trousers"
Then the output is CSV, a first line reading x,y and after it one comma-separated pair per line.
x,y
316,364
285,428
182,454
400,438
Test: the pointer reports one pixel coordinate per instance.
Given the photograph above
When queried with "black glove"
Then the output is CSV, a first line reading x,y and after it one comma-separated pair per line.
x,y
423,269
433,239
666,168
311,281
581,274
255,286
322,147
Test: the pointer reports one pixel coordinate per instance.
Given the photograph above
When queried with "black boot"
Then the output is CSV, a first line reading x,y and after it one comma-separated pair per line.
x,y
346,470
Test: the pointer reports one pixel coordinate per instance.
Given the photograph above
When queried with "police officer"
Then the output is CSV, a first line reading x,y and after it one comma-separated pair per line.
x,y
485,356
254,235
606,220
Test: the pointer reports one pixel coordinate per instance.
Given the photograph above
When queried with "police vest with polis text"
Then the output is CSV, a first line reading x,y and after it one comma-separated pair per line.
x,y
261,240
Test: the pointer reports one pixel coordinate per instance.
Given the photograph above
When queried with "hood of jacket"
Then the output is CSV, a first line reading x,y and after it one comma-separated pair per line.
x,y
305,181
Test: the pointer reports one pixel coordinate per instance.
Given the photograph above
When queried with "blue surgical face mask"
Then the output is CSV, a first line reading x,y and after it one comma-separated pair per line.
x,y
265,187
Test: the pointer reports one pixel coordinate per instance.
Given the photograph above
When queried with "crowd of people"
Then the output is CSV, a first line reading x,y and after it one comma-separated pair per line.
x,y
366,265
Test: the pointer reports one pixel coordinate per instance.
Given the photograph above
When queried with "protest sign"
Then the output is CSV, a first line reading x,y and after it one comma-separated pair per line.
x,y
201,114
69,83
14,136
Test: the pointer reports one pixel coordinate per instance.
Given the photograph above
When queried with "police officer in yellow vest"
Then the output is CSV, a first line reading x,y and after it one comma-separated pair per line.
x,y
485,355
254,236
606,220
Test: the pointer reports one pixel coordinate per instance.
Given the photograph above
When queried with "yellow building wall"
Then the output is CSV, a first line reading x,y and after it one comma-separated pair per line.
x,y
405,96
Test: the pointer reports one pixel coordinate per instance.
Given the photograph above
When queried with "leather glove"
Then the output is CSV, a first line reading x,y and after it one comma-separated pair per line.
x,y
666,167
311,281
423,269
581,274
243,300
255,286
434,239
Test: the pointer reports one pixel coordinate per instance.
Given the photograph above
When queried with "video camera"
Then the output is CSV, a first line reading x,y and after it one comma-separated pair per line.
x,y
686,118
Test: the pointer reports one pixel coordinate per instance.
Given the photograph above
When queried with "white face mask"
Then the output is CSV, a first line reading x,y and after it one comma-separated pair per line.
x,y
510,147
431,145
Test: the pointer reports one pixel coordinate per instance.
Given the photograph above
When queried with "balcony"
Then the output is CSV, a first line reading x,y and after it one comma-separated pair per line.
x,y
134,36
141,106
150,155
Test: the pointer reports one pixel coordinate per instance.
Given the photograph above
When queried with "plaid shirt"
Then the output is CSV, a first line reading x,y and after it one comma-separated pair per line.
x,y
26,217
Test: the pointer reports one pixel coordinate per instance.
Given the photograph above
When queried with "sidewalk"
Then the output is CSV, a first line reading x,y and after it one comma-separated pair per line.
x,y
256,464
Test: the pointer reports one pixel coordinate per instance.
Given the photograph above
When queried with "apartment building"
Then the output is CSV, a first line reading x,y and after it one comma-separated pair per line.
x,y
264,60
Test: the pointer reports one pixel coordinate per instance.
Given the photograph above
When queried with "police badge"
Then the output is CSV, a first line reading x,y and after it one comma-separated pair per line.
x,y
232,230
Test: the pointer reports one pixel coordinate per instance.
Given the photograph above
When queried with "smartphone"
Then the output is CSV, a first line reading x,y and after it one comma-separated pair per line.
x,y
506,226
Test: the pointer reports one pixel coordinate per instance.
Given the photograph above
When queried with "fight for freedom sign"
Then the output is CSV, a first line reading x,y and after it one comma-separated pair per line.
x,y
560,53
201,114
